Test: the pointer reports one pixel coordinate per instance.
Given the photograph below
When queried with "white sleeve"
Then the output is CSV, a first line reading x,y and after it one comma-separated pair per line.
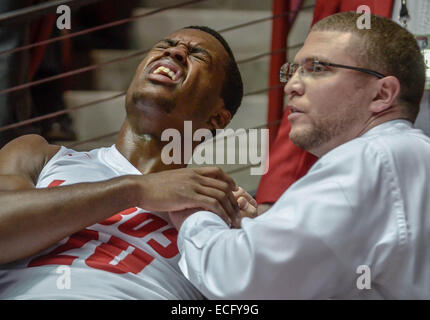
x,y
307,246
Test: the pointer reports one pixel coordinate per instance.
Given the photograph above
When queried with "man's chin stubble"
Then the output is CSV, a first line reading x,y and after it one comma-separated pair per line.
x,y
322,133
304,140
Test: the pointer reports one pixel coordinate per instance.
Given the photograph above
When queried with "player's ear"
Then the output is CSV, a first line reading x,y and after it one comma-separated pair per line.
x,y
220,119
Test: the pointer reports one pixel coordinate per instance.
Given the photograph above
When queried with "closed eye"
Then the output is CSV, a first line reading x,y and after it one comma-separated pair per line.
x,y
165,43
200,53
194,51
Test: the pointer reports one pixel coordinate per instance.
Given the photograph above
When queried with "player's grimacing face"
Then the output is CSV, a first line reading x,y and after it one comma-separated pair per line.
x,y
180,79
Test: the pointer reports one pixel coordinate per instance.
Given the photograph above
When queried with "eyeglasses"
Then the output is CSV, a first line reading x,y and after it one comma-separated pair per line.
x,y
315,67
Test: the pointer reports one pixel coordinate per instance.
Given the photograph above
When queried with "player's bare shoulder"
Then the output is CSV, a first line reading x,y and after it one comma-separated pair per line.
x,y
23,159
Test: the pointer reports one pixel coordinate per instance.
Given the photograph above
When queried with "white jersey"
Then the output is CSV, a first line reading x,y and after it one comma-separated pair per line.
x,y
131,255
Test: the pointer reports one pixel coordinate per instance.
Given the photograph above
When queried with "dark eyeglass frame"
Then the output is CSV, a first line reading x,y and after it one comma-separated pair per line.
x,y
284,77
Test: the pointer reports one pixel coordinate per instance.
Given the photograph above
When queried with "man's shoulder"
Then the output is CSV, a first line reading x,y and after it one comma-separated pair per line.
x,y
397,139
394,137
395,145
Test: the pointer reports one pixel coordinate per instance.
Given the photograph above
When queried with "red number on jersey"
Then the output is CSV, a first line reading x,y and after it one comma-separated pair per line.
x,y
172,249
142,224
118,256
75,241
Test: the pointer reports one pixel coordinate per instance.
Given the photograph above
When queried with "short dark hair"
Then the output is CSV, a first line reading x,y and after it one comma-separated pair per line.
x,y
387,48
232,89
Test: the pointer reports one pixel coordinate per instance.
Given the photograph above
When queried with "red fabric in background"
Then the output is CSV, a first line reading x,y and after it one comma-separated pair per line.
x,y
40,31
287,162
324,8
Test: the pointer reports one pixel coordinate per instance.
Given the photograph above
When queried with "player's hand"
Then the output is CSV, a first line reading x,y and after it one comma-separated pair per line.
x,y
180,189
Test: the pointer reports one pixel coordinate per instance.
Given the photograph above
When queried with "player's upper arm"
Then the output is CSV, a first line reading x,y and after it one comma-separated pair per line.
x,y
22,160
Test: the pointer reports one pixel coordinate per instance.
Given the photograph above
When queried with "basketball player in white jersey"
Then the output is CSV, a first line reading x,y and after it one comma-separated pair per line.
x,y
94,225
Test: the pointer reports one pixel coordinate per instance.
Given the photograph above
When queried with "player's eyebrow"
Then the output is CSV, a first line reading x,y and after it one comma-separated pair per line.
x,y
199,49
191,48
170,42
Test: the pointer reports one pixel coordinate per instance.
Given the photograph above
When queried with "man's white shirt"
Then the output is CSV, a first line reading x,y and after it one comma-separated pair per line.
x,y
365,203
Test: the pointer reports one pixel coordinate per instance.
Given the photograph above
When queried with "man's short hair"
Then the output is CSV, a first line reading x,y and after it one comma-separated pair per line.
x,y
387,48
232,89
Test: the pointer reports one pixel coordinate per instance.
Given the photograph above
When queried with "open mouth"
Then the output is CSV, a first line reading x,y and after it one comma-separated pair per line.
x,y
165,70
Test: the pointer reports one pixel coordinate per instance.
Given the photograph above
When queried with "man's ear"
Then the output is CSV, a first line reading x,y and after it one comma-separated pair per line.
x,y
220,119
387,92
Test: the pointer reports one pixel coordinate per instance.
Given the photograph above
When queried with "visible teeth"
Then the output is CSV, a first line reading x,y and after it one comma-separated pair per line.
x,y
166,70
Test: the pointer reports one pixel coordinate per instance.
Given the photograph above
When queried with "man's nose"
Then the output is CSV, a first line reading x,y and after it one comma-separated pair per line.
x,y
294,85
179,53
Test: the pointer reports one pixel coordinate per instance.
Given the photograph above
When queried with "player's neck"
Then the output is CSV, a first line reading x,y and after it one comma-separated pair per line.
x,y
142,150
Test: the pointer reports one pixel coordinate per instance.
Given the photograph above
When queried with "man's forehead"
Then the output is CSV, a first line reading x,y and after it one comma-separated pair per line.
x,y
198,37
328,46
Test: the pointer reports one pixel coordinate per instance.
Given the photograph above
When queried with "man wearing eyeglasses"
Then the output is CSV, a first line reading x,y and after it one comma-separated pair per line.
x,y
355,226
292,163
